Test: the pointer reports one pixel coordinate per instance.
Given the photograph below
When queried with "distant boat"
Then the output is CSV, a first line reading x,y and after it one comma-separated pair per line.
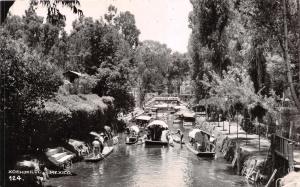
x,y
131,140
201,143
106,151
133,136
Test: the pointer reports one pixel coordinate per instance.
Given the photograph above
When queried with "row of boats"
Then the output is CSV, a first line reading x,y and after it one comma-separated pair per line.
x,y
146,131
157,133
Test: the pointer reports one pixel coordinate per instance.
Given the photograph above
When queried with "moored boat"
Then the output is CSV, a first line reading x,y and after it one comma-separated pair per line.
x,y
95,158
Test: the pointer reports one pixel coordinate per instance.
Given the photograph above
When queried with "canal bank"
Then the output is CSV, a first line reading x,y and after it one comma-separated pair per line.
x,y
251,159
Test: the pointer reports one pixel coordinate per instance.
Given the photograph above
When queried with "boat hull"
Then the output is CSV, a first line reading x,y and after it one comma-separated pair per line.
x,y
199,153
128,142
150,142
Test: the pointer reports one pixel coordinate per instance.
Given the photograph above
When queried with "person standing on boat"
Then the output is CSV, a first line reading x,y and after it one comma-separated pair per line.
x,y
180,133
97,146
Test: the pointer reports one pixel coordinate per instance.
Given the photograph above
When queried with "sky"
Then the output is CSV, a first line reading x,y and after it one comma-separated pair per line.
x,y
165,21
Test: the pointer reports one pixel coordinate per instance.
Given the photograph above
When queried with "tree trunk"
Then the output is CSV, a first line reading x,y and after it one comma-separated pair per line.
x,y
4,8
298,10
286,59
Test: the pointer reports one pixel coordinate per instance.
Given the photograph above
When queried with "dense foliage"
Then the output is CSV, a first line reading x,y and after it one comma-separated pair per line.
x,y
247,35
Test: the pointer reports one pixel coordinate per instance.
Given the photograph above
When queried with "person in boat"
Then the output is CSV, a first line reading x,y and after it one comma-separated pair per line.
x,y
108,132
180,133
164,136
148,134
98,145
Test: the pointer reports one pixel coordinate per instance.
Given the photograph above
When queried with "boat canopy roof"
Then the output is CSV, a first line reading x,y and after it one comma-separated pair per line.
x,y
143,117
193,132
158,123
134,128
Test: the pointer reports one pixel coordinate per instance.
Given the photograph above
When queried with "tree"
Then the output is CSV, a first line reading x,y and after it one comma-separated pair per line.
x,y
208,42
152,60
178,70
53,13
26,83
125,22
272,19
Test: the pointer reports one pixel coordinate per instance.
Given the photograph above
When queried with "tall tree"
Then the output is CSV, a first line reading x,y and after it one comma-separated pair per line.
x,y
152,67
276,21
208,41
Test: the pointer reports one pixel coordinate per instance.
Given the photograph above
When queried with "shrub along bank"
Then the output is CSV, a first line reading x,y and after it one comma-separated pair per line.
x,y
69,116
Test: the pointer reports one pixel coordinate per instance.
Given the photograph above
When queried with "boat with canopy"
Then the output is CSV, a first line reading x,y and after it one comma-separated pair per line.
x,y
157,133
201,143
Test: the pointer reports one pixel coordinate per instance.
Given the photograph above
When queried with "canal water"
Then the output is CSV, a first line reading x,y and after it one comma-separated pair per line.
x,y
143,166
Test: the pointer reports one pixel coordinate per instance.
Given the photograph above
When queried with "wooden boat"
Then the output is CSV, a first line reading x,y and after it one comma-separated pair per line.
x,y
154,138
202,146
176,139
133,137
152,142
200,153
106,151
60,156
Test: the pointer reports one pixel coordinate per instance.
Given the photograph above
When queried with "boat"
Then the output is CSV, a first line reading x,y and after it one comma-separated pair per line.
x,y
188,118
131,140
133,135
153,142
201,143
106,151
157,133
60,156
200,153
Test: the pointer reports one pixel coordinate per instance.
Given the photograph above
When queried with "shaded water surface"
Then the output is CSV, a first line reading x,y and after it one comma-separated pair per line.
x,y
137,165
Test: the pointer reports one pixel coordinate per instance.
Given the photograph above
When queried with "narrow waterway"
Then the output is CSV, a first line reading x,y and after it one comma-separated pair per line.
x,y
140,165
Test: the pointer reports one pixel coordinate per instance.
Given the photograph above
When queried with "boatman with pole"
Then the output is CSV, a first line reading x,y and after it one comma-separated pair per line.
x,y
180,134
